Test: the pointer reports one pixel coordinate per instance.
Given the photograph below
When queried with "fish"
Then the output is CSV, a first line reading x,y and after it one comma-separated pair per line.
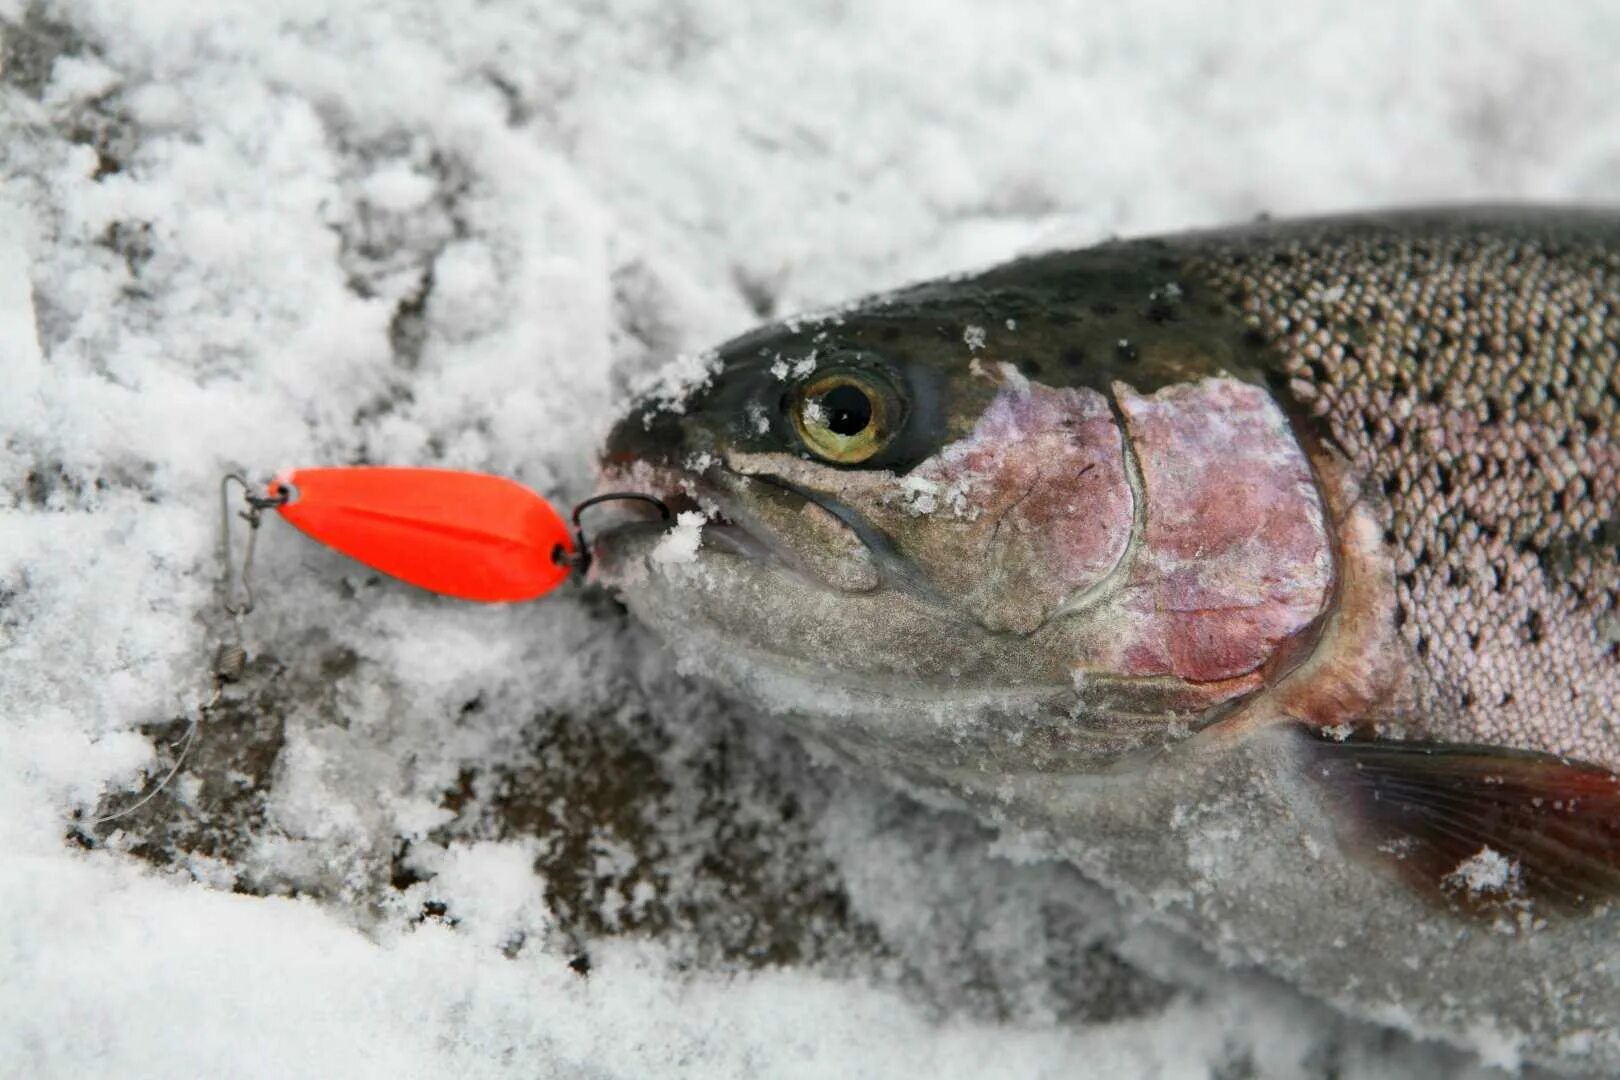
x,y
1269,574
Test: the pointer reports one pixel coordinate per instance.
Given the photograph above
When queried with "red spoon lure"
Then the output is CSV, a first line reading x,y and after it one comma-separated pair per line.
x,y
467,535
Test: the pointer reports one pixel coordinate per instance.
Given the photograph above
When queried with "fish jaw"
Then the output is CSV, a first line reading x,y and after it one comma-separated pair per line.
x,y
805,653
868,655
747,517
797,648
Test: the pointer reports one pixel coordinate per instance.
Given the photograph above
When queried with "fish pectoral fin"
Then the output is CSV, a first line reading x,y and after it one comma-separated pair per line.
x,y
1480,828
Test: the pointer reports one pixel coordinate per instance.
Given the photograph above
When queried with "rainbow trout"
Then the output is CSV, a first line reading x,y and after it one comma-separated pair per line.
x,y
1272,575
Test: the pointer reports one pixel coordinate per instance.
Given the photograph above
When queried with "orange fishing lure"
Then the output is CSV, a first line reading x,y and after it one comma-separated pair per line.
x,y
467,535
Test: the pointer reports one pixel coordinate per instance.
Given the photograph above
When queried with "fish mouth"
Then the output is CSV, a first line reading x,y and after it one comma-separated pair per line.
x,y
751,517
721,533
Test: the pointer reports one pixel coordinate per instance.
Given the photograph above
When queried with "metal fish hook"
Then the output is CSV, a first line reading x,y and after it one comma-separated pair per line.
x,y
242,580
580,560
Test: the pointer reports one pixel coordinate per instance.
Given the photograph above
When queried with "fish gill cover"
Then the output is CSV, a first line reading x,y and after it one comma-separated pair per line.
x,y
422,838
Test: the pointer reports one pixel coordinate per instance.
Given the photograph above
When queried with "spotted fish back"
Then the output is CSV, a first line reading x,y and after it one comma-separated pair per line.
x,y
1468,366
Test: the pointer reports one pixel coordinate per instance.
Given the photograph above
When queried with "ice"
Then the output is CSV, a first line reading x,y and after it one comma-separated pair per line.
x,y
426,839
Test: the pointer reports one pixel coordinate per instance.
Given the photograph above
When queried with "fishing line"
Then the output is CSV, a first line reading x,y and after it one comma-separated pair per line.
x,y
237,600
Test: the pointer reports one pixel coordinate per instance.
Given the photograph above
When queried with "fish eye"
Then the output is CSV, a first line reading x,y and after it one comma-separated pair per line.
x,y
845,416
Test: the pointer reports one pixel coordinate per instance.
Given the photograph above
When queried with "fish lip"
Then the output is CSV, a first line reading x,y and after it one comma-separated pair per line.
x,y
641,517
730,528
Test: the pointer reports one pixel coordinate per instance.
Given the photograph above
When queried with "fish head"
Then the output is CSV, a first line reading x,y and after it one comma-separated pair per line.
x,y
950,526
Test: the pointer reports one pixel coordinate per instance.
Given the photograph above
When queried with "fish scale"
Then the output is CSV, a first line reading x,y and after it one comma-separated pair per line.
x,y
1470,371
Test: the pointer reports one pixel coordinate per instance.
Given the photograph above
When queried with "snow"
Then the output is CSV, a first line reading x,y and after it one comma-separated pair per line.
x,y
783,370
680,543
422,838
1485,871
921,496
670,385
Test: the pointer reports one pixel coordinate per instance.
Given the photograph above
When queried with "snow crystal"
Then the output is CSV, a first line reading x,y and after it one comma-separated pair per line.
x,y
921,496
680,543
397,188
974,337
1000,373
797,369
668,387
700,462
489,888
1486,871
77,78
